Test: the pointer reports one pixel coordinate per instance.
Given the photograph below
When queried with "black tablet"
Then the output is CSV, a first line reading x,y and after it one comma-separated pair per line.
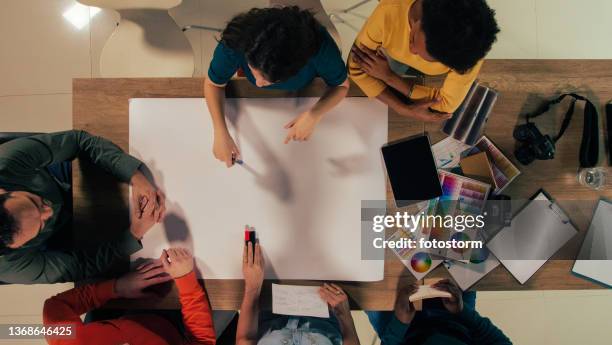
x,y
412,170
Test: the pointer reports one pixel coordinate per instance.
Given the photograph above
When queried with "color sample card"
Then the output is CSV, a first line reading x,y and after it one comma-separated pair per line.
x,y
447,152
470,194
478,167
460,196
504,171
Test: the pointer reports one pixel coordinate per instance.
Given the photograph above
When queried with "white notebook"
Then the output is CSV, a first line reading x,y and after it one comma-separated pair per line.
x,y
537,232
594,260
298,300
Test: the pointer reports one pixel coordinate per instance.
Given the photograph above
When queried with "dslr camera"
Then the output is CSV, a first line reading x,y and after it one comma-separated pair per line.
x,y
534,145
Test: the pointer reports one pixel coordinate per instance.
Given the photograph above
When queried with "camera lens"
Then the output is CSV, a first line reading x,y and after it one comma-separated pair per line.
x,y
522,133
524,154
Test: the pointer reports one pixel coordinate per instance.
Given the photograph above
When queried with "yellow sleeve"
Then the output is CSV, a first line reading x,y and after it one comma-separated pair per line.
x,y
452,92
371,36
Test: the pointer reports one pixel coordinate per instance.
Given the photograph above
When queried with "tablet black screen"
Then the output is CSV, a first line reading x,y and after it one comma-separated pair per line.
x,y
412,170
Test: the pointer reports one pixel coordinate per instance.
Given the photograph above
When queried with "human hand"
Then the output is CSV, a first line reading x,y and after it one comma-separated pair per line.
x,y
144,191
225,149
144,216
301,128
252,268
420,111
372,62
177,262
336,298
404,309
453,304
131,284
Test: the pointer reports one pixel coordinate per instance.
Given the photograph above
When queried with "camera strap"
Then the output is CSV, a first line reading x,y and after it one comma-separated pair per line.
x,y
589,147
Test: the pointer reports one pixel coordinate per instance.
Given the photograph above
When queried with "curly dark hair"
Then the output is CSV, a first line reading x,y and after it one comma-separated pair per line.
x,y
279,41
8,223
459,33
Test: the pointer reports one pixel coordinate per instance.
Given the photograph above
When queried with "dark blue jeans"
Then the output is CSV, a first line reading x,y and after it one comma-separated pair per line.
x,y
380,319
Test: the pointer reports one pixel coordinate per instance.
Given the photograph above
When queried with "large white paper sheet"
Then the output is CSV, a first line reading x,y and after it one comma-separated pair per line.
x,y
303,199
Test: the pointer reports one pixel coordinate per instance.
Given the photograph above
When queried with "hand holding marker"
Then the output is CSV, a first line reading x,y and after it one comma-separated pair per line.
x,y
250,235
236,159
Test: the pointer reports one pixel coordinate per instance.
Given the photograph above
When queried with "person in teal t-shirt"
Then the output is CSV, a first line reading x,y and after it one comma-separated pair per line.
x,y
276,48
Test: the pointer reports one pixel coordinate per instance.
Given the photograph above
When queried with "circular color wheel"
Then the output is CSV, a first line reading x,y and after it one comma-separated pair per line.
x,y
420,262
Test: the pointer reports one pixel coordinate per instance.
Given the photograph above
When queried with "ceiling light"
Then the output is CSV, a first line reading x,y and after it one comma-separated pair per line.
x,y
79,15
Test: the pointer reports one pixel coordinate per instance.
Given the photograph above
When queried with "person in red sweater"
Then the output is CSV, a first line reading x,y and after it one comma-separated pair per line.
x,y
145,329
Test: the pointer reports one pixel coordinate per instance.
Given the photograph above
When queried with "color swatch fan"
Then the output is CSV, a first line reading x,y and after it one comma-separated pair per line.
x,y
504,171
468,121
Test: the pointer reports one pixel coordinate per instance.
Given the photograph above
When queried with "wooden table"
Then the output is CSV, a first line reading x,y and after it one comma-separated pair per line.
x,y
100,106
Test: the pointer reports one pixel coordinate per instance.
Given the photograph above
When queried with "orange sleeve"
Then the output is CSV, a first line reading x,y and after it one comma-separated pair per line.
x,y
197,315
66,309
453,91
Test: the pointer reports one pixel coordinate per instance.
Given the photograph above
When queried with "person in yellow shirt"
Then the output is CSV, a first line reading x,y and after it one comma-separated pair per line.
x,y
433,37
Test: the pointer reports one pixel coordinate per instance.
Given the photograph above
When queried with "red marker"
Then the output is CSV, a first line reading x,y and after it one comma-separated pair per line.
x,y
249,236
